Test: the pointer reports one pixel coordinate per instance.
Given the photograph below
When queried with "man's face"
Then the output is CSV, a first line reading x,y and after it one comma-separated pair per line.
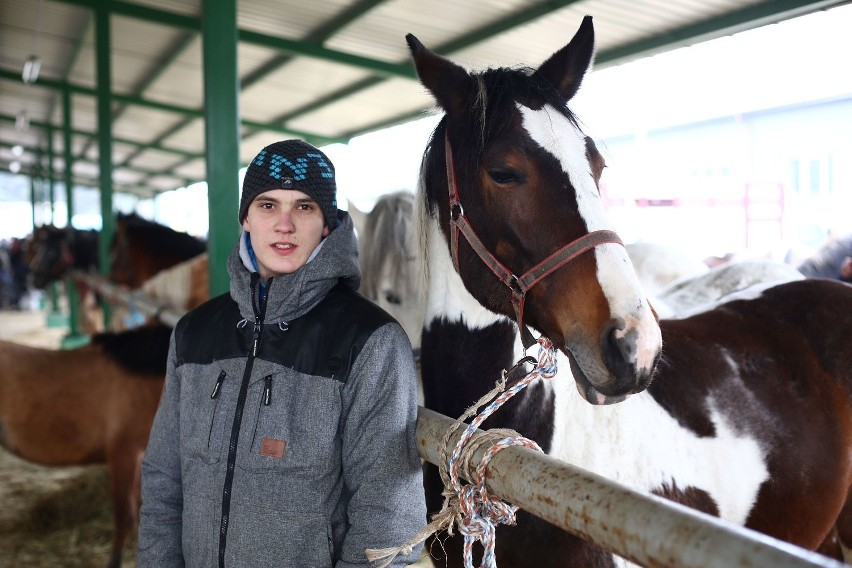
x,y
285,227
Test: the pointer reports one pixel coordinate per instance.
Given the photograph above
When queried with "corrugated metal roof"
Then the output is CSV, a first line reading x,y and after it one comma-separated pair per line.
x,y
324,71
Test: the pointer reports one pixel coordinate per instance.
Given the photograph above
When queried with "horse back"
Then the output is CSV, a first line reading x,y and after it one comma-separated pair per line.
x,y
70,407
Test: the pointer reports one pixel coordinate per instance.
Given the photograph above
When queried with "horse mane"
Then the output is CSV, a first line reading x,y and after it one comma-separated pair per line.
x,y
387,239
165,240
142,350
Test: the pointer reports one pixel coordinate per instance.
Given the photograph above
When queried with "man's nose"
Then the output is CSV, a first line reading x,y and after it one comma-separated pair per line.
x,y
284,223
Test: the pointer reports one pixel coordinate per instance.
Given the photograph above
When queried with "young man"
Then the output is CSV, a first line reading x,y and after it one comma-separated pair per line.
x,y
285,434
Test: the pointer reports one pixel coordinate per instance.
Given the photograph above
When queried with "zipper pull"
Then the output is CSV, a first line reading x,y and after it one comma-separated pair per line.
x,y
267,390
256,342
218,386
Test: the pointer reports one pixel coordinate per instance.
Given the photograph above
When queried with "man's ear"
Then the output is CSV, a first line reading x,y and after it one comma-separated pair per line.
x,y
245,224
325,231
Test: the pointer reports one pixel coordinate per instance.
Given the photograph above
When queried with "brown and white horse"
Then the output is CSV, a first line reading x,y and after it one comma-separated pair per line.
x,y
743,411
90,405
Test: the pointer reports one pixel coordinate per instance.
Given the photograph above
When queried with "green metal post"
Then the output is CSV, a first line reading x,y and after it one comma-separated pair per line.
x,y
55,317
104,88
74,337
222,134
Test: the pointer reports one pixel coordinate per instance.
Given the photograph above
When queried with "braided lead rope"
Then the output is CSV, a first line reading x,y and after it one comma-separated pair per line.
x,y
471,507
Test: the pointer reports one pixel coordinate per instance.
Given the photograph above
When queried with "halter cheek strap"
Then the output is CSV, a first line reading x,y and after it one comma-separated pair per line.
x,y
518,285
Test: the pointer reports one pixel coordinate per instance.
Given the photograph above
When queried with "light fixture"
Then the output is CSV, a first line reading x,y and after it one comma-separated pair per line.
x,y
31,68
15,167
17,150
22,122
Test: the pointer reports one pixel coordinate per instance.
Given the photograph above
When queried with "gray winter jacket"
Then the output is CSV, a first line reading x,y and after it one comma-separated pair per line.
x,y
285,434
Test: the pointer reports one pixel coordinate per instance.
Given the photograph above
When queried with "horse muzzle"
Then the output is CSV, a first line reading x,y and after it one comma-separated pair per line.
x,y
623,364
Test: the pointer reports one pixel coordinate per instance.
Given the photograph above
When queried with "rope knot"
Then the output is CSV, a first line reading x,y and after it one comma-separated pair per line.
x,y
470,506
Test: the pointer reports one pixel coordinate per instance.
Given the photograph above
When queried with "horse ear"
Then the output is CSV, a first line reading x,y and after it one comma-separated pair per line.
x,y
450,84
359,219
566,68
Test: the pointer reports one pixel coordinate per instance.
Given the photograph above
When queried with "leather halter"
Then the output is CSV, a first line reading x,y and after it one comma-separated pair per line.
x,y
518,285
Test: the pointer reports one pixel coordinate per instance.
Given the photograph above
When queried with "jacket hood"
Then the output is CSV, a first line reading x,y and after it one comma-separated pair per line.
x,y
292,295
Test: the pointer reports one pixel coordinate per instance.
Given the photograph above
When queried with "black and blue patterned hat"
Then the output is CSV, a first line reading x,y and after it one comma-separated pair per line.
x,y
292,164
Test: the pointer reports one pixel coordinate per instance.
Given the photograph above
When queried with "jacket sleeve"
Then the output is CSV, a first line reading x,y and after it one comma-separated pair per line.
x,y
162,500
381,467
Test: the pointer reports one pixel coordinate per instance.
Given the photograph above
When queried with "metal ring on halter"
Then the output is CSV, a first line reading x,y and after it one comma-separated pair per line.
x,y
456,211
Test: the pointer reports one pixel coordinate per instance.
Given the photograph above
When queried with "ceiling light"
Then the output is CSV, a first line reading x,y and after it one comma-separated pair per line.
x,y
15,167
17,150
22,122
31,68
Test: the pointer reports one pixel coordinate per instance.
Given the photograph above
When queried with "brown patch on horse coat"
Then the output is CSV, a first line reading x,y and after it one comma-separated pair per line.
x,y
690,496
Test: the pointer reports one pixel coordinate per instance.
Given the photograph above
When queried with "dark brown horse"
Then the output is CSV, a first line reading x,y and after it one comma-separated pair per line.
x,y
83,406
142,248
745,413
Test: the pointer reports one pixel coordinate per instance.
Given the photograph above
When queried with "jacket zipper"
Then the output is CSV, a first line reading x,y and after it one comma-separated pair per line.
x,y
259,315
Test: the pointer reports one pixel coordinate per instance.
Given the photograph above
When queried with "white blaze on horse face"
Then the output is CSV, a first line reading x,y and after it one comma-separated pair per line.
x,y
556,134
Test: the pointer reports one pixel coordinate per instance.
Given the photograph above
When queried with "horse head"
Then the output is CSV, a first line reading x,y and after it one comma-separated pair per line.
x,y
51,254
389,262
512,181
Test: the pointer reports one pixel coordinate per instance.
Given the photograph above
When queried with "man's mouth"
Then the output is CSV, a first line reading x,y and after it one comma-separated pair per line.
x,y
283,246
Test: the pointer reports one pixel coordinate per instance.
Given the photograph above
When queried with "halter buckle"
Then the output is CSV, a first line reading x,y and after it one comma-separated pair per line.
x,y
456,211
514,285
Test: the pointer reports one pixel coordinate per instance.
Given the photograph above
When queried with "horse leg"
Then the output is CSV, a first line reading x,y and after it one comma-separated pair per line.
x,y
124,473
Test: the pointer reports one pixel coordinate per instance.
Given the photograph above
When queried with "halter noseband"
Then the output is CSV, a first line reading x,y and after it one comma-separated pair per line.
x,y
518,285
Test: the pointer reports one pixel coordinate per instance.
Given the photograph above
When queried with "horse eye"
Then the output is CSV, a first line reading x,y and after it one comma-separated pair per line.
x,y
392,297
504,177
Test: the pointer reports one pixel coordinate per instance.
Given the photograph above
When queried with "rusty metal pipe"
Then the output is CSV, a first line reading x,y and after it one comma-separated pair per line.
x,y
643,528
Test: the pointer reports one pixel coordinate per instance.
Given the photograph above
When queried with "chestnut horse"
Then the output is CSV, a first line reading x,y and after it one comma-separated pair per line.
x,y
743,411
141,248
90,405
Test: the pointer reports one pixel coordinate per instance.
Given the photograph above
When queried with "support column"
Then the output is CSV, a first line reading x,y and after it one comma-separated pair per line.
x,y
104,90
222,134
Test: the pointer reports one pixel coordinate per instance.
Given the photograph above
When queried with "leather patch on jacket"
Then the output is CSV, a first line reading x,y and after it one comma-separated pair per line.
x,y
272,448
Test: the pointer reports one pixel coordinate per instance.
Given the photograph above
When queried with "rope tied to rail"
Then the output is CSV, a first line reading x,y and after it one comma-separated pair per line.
x,y
470,507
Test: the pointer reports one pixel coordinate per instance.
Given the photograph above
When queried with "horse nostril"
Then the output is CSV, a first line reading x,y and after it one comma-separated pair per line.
x,y
618,348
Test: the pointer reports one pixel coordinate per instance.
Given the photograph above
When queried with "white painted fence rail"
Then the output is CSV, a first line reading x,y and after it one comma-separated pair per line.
x,y
645,529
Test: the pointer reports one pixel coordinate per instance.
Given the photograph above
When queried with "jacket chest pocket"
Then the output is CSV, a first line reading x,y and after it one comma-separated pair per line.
x,y
294,424
203,417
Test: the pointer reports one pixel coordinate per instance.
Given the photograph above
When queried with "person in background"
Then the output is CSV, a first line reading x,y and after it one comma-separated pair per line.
x,y
285,433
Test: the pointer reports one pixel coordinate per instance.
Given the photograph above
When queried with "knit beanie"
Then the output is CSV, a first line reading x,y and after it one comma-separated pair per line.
x,y
292,164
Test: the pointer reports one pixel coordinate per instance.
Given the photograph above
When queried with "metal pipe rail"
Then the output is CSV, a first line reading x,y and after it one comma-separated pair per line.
x,y
114,293
643,528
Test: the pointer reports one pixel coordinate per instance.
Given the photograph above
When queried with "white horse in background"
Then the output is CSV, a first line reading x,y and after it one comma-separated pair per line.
x,y
657,265
693,294
388,257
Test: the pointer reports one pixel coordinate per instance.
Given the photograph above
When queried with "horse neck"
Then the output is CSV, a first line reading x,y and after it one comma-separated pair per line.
x,y
465,348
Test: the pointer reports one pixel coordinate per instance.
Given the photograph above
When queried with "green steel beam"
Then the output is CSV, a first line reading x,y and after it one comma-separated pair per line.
x,y
222,136
67,157
103,45
307,49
